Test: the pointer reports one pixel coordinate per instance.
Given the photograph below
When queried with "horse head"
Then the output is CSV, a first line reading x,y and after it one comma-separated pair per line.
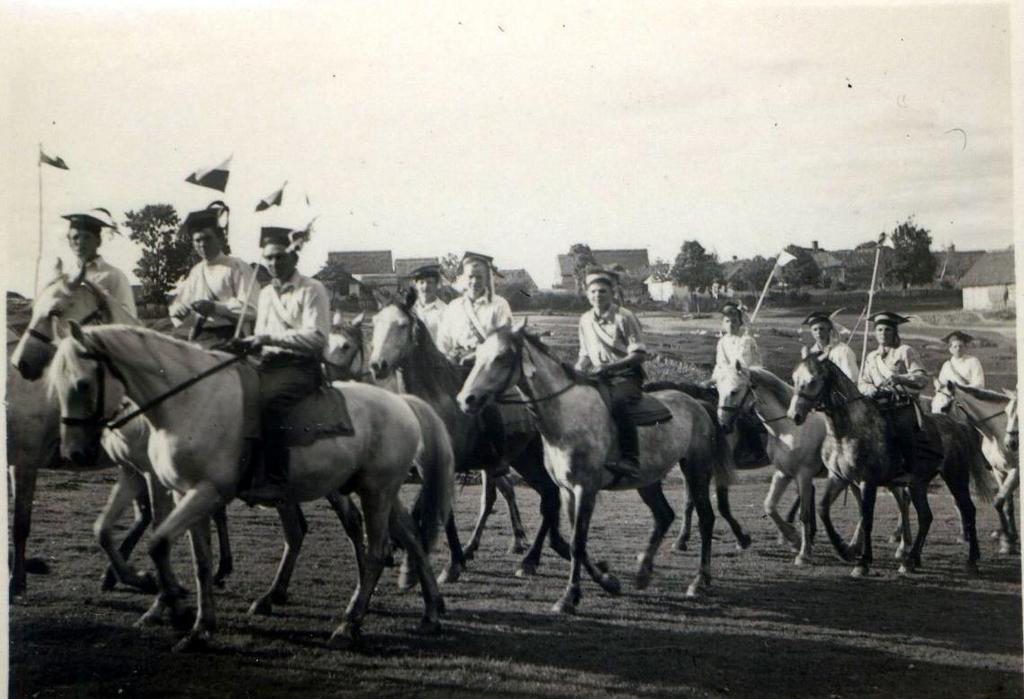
x,y
500,363
396,335
345,356
88,392
735,385
1012,438
811,384
945,395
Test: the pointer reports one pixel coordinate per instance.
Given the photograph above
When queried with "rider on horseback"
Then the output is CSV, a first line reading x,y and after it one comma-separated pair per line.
x,y
466,323
893,376
612,350
429,308
829,346
214,293
961,368
737,346
292,325
84,237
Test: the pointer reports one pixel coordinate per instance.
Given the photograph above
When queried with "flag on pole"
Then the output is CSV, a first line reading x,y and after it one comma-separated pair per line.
x,y
307,199
214,178
784,259
272,199
54,161
300,237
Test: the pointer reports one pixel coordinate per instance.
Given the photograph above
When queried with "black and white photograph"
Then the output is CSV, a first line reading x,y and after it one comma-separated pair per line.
x,y
473,349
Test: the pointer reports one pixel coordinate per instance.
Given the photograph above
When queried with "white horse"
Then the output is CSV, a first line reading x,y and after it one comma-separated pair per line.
x,y
34,429
578,435
994,415
196,443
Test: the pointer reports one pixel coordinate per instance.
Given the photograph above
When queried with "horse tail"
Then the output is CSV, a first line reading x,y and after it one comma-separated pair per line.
x,y
435,462
723,464
986,486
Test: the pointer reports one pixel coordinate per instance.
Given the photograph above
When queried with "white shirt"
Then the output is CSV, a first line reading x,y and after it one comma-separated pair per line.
x,y
112,280
608,337
882,363
224,280
431,315
842,355
467,323
295,315
733,348
965,371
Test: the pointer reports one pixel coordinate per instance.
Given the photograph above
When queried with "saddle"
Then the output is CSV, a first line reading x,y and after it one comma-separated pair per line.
x,y
322,414
644,412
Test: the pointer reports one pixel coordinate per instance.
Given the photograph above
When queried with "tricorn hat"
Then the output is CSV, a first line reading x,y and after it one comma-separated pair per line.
x,y
275,235
214,215
92,220
958,335
889,318
605,276
818,317
432,270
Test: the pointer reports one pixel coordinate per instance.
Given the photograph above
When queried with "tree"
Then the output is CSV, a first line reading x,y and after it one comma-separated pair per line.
x,y
582,259
911,261
450,267
336,278
167,253
755,273
695,267
803,271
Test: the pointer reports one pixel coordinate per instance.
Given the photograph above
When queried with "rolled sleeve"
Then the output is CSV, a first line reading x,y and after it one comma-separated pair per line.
x,y
633,334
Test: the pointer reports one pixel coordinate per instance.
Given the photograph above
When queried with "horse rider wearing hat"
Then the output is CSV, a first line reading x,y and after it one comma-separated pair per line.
x,y
85,237
734,345
212,296
612,350
828,345
961,368
428,308
293,323
893,377
466,323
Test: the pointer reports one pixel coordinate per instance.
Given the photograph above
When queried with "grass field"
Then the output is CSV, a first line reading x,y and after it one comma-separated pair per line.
x,y
766,629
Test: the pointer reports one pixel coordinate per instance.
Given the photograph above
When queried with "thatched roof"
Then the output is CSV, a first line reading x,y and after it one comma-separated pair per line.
x,y
991,269
363,261
405,265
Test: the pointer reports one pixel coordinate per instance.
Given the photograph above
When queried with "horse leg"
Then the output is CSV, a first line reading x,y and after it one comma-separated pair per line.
x,y
654,497
129,487
293,536
192,512
787,532
960,488
488,494
352,521
377,512
1003,504
805,486
583,499
833,487
698,482
919,497
791,514
507,489
722,498
599,571
903,533
23,482
225,561
404,531
867,515
456,561
683,540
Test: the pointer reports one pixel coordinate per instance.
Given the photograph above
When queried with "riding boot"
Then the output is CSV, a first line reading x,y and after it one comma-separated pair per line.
x,y
629,447
269,476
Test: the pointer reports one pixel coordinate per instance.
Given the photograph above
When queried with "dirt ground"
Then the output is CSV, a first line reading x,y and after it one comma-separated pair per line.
x,y
767,628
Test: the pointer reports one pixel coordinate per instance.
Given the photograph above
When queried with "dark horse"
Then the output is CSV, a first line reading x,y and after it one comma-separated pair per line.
x,y
866,452
402,343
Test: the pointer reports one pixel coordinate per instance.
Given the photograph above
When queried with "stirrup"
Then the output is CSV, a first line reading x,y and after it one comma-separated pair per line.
x,y
623,468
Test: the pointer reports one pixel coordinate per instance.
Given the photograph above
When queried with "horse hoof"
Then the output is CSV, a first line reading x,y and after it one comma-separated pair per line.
x,y
428,627
263,606
564,606
693,591
36,566
196,640
442,606
469,553
526,569
679,546
150,618
906,568
406,580
147,583
743,541
802,560
643,577
222,574
346,636
860,571
610,584
450,574
17,588
995,534
517,548
971,568
109,581
1005,547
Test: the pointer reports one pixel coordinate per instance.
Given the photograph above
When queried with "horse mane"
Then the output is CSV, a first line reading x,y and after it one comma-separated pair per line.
x,y
780,390
428,364
58,287
983,394
570,370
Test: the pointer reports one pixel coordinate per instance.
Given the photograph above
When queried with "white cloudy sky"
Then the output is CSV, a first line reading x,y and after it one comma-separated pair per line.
x,y
514,128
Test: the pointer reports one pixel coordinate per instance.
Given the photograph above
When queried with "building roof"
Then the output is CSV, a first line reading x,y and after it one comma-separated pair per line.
x,y
633,260
517,277
405,265
991,269
363,261
956,262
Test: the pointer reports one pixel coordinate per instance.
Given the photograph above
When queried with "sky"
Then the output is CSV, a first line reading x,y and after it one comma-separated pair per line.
x,y
513,129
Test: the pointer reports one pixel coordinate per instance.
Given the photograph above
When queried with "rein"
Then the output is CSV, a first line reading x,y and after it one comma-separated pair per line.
x,y
530,400
757,399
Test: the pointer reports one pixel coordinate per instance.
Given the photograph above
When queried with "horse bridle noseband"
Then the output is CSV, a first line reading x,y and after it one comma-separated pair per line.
x,y
530,400
752,390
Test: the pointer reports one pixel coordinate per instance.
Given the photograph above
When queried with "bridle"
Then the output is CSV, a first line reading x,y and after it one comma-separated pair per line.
x,y
356,337
824,400
517,363
102,310
752,391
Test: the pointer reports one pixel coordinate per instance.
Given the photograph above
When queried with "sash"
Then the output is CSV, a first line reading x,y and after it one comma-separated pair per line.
x,y
282,312
207,286
477,328
607,339
960,378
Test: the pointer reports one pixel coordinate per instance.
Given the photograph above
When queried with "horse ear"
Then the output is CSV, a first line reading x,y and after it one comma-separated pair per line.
x,y
805,351
358,320
410,298
337,319
739,366
76,331
951,386
518,327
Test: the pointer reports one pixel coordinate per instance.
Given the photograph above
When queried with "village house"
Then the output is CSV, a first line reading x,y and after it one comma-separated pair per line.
x,y
990,283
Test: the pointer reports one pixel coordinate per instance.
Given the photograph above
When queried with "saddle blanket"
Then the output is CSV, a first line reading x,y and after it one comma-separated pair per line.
x,y
322,414
646,411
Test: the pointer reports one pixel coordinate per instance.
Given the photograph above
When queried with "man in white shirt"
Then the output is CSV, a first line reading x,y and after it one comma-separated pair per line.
x,y
212,296
469,319
84,238
292,326
429,308
831,347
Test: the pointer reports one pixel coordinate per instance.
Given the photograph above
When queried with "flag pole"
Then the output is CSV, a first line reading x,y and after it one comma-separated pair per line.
x,y
39,243
248,299
764,291
871,298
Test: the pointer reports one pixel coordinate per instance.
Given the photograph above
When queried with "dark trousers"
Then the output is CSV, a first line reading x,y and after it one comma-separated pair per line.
x,y
625,392
905,432
284,381
210,338
491,443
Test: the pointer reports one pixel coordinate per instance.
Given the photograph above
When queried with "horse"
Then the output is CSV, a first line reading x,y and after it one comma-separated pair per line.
x,y
33,443
345,357
862,443
196,443
578,434
993,415
402,345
